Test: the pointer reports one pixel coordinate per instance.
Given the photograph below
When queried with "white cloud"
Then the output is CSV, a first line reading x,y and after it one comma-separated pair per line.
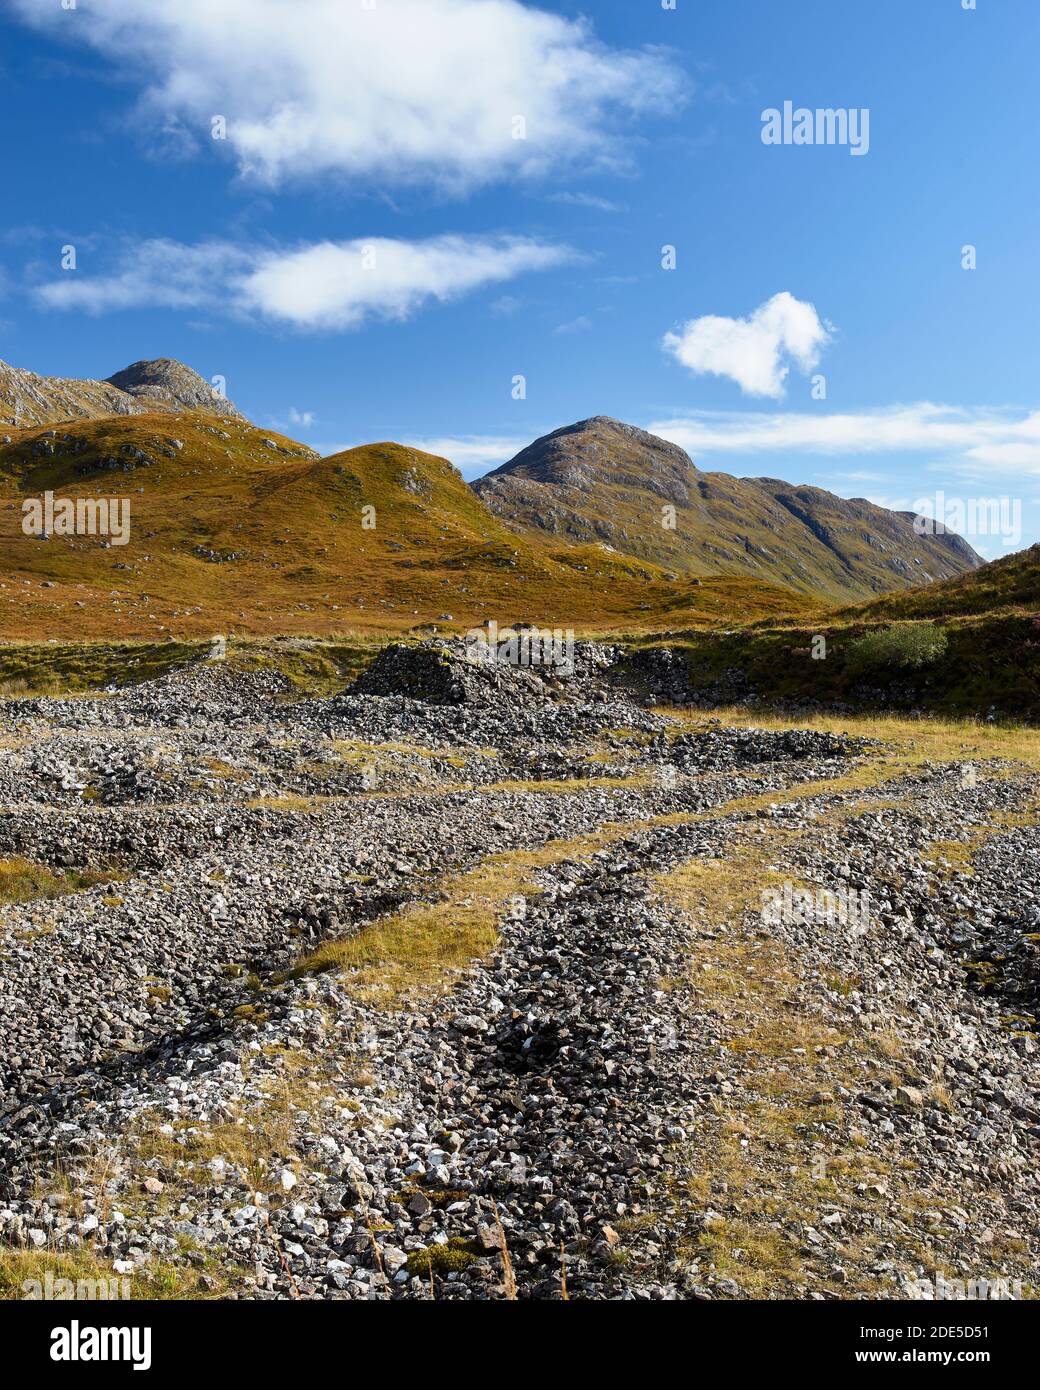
x,y
303,418
155,274
472,454
755,351
403,91
855,475
327,285
340,284
1017,454
977,441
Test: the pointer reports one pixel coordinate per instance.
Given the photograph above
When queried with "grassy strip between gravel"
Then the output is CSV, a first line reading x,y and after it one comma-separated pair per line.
x,y
83,1276
291,803
913,740
761,1143
422,947
779,1143
425,945
785,1156
22,881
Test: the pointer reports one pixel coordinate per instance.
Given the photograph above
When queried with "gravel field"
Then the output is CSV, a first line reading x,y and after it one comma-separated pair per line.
x,y
469,984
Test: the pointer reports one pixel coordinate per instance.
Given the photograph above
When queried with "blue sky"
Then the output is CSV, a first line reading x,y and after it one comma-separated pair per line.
x,y
371,254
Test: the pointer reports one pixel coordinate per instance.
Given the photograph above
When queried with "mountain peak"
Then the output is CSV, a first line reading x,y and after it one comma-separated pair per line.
x,y
605,481
576,453
164,383
28,399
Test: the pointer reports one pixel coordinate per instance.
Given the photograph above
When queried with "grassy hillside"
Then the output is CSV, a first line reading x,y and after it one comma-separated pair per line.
x,y
1009,584
238,530
313,665
990,665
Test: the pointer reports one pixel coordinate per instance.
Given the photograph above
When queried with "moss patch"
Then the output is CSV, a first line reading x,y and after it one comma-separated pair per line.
x,y
445,1259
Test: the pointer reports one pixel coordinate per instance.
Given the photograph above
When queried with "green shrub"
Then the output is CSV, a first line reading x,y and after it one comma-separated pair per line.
x,y
901,646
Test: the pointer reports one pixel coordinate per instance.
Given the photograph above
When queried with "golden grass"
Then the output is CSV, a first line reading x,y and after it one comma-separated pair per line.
x,y
958,855
246,1140
22,881
88,1277
291,803
568,786
720,890
423,946
758,1257
783,1148
435,550
241,1142
911,741
88,1273
358,753
414,948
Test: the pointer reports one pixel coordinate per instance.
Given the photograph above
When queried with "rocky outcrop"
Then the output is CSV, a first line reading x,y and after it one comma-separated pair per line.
x,y
439,675
164,385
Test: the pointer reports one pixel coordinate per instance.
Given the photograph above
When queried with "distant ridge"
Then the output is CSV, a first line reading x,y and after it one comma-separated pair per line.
x,y
1001,586
164,384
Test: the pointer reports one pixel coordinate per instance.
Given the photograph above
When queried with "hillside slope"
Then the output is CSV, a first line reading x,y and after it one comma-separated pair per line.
x,y
235,529
164,384
1012,582
603,480
987,665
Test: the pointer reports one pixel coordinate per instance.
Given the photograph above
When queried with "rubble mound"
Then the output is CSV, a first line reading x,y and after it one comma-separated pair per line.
x,y
443,674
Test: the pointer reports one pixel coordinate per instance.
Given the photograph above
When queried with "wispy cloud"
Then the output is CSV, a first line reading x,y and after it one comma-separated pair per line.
x,y
505,306
581,324
293,420
472,454
755,352
968,442
853,475
586,200
326,285
408,91
152,274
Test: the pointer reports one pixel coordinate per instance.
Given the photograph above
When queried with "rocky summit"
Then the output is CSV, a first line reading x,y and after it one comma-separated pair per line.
x,y
458,984
164,385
